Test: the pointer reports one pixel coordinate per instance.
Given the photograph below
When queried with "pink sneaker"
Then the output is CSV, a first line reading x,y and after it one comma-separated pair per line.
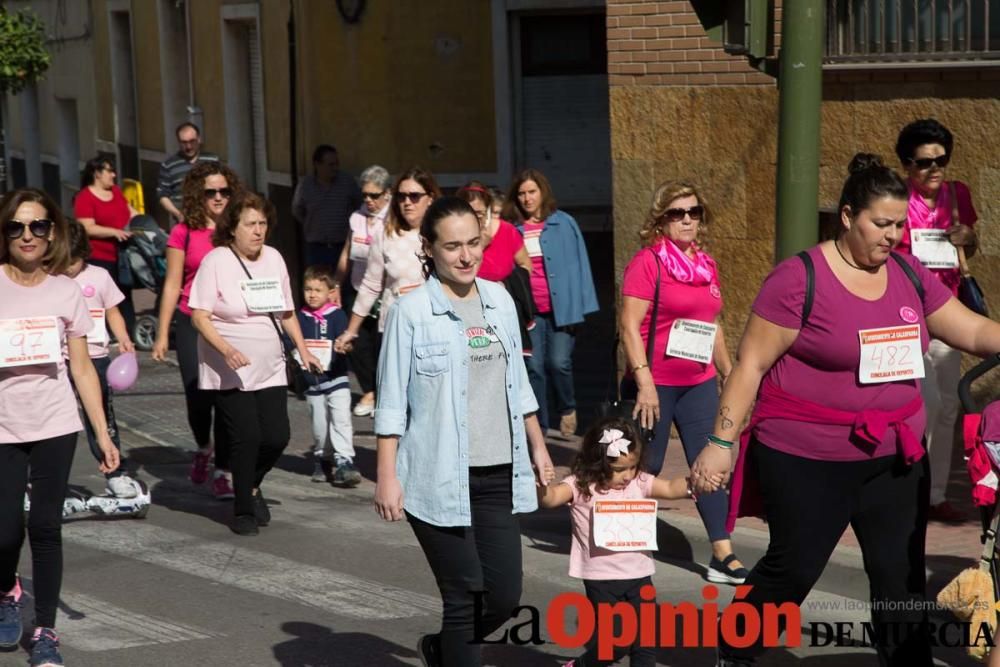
x,y
221,486
199,468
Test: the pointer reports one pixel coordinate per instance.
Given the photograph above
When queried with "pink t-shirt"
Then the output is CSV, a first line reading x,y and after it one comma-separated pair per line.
x,y
498,257
113,213
822,364
100,293
539,279
939,218
588,561
677,301
361,240
217,289
195,244
37,402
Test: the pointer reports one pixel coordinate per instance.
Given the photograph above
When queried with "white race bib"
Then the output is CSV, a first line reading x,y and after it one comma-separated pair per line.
x,y
360,245
263,295
321,348
933,249
692,339
625,525
99,334
29,341
533,243
890,354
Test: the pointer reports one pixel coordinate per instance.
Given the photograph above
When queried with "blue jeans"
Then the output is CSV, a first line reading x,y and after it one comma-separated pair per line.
x,y
101,366
693,410
551,357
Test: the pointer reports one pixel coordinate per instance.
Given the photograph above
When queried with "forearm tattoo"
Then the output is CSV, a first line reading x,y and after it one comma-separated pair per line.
x,y
724,421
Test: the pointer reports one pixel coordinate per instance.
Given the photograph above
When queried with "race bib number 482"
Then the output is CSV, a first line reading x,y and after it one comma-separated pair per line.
x,y
890,354
29,341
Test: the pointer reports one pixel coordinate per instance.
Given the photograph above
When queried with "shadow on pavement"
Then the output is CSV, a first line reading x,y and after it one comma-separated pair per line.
x,y
318,645
175,491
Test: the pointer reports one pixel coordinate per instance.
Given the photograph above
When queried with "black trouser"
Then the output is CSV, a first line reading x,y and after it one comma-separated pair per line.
x,y
46,464
485,556
612,592
199,401
256,424
126,307
810,503
101,366
364,355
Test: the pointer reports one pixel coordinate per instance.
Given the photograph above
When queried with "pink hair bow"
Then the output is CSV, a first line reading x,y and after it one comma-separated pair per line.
x,y
617,445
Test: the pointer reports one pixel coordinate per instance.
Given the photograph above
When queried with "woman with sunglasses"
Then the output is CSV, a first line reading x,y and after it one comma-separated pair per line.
x,y
563,290
366,223
924,148
394,259
40,312
104,212
206,191
677,385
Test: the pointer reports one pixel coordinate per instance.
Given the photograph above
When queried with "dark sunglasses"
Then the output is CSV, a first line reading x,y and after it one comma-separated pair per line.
x,y
226,193
923,163
677,214
372,196
14,229
414,197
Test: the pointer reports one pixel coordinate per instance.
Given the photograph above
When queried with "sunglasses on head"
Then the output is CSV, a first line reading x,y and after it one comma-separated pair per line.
x,y
225,193
922,163
14,229
372,195
677,214
414,197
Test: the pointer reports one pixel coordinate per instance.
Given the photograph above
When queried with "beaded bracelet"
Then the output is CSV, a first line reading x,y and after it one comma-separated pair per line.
x,y
725,444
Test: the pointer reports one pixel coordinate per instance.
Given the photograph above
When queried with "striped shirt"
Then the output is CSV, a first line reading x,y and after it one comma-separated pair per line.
x,y
172,173
325,210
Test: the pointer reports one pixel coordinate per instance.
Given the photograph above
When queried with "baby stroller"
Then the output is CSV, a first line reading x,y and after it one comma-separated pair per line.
x,y
145,266
974,594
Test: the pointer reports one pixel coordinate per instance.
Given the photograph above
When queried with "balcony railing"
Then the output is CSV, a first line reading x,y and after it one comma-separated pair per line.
x,y
913,33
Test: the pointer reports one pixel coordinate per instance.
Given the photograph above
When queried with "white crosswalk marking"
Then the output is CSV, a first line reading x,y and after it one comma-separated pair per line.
x,y
251,570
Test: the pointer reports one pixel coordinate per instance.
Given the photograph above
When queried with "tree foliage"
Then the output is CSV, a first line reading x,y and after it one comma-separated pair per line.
x,y
23,56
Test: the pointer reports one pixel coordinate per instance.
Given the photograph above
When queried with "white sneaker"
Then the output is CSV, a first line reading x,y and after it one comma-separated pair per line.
x,y
122,486
364,409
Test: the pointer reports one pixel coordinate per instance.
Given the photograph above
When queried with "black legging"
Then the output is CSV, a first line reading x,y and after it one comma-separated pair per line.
x,y
46,463
364,355
200,402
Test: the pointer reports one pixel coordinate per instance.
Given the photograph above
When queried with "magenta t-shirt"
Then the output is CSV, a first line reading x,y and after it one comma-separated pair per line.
x,y
195,244
37,402
100,293
677,301
822,364
539,279
498,257
217,289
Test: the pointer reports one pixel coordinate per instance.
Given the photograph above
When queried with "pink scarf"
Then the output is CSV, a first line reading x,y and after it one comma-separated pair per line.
x,y
697,270
320,313
868,426
920,216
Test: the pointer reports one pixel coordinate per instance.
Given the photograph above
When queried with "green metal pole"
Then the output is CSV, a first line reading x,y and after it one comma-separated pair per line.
x,y
800,91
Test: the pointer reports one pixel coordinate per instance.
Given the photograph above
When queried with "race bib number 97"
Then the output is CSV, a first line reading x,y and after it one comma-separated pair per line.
x,y
29,341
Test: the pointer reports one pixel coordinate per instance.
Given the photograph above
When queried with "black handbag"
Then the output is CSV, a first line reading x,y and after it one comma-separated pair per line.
x,y
969,292
295,375
614,404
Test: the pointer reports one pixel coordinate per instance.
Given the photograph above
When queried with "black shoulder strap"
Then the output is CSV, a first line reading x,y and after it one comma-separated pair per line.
x,y
910,273
807,304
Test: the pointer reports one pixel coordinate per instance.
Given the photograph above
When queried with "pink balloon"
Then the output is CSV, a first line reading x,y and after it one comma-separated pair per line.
x,y
123,371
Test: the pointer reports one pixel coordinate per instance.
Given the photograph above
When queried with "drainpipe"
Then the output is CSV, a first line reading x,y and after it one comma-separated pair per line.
x,y
800,93
194,112
292,96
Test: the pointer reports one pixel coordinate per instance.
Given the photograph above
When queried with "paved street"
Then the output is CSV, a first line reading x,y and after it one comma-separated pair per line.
x,y
327,583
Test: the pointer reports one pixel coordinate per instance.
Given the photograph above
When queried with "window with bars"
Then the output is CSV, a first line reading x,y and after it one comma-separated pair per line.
x,y
913,32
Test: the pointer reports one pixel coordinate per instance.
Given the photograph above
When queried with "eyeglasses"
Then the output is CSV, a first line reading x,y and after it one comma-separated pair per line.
x,y
14,229
109,168
372,195
677,214
225,193
924,163
414,197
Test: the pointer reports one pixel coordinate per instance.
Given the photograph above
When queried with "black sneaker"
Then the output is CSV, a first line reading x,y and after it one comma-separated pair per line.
x,y
245,524
346,475
721,572
429,650
10,620
260,509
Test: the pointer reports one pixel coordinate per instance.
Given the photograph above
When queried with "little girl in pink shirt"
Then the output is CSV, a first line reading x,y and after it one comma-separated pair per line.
x,y
612,555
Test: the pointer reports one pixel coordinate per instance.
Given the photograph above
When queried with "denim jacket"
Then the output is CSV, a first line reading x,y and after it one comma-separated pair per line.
x,y
423,372
571,286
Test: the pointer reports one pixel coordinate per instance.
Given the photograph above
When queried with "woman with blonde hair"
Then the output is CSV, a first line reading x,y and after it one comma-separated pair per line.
x,y
674,344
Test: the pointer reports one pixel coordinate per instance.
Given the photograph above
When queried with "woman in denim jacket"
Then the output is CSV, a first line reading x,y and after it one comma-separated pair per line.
x,y
562,287
451,458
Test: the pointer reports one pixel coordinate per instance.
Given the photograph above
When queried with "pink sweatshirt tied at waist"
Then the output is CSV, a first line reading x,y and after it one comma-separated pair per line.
x,y
868,427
